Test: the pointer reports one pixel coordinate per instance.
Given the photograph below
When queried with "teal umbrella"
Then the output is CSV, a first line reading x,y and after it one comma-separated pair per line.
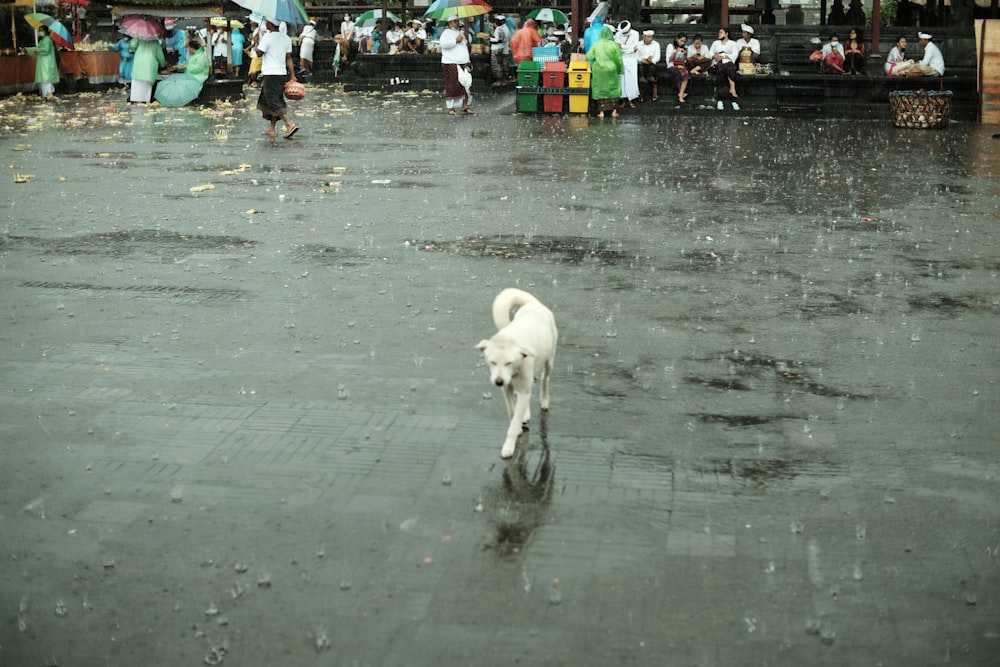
x,y
177,90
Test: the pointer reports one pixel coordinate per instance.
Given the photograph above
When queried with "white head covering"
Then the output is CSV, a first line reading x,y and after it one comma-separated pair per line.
x,y
648,32
923,35
624,26
452,17
747,28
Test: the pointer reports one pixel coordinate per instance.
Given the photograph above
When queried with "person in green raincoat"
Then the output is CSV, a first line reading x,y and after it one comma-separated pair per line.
x,y
46,67
607,68
197,64
149,59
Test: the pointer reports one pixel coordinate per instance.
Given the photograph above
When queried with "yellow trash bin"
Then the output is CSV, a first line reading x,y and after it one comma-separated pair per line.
x,y
579,77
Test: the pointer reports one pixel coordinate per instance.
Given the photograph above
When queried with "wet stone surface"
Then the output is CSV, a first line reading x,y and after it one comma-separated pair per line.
x,y
244,422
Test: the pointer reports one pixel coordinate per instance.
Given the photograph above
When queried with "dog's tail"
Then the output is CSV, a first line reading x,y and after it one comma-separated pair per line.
x,y
507,300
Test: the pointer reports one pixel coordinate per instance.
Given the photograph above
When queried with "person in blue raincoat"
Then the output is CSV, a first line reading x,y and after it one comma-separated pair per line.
x,y
125,57
46,67
592,34
239,43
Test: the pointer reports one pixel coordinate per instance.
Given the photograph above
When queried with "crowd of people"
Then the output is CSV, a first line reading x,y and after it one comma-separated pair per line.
x,y
625,65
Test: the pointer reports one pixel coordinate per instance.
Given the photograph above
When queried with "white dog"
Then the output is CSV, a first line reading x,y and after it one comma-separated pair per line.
x,y
521,351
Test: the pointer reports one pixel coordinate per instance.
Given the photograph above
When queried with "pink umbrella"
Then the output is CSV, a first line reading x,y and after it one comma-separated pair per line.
x,y
142,27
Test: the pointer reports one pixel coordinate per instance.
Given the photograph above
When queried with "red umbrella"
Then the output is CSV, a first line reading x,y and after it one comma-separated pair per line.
x,y
81,3
142,27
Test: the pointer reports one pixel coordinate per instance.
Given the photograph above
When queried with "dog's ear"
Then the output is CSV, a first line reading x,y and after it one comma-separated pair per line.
x,y
481,345
527,351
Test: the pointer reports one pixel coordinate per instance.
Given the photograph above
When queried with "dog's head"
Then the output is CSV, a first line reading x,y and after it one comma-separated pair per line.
x,y
504,359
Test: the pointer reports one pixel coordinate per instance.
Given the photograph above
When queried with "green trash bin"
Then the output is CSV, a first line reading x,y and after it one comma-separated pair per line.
x,y
527,77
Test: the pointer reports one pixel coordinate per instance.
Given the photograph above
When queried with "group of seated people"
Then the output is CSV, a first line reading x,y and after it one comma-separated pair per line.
x,y
397,38
849,57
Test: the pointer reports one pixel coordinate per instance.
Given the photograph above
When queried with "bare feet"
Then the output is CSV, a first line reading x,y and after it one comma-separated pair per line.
x,y
614,113
600,114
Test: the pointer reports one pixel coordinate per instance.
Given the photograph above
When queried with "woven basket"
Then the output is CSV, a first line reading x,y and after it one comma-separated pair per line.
x,y
920,109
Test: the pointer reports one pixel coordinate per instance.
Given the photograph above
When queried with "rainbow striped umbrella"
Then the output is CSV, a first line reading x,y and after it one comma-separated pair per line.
x,y
441,9
57,31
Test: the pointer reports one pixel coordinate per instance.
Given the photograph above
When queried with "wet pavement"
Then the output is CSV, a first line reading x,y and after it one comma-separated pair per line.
x,y
246,424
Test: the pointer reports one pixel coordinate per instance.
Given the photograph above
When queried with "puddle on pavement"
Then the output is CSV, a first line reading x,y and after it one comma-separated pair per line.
x,y
187,294
329,255
520,504
760,373
148,242
566,249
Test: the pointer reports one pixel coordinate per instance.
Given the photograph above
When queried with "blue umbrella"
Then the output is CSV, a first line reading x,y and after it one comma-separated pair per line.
x,y
289,11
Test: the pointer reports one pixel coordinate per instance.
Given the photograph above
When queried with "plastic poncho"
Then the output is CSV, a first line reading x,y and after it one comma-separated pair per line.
x,y
607,68
46,68
525,39
124,59
239,43
592,34
198,65
148,60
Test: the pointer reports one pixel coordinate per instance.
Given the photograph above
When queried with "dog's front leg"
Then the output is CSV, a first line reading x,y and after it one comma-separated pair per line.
x,y
522,403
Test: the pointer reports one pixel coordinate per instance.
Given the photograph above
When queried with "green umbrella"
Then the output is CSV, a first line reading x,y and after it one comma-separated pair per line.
x,y
372,16
177,90
548,16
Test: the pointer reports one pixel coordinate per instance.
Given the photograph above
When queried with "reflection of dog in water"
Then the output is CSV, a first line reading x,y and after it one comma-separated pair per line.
x,y
527,491
521,351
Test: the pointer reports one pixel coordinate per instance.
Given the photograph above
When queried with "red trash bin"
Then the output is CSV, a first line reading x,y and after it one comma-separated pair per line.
x,y
553,76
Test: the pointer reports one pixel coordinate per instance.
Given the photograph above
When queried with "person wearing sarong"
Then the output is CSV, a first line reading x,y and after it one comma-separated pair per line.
x,y
896,63
455,57
415,39
677,66
747,50
606,71
649,56
46,66
932,64
307,44
833,55
699,56
275,49
723,53
253,72
628,40
146,65
524,40
499,49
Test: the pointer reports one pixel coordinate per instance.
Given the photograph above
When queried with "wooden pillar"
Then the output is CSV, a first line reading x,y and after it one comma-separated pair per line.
x,y
876,25
725,13
576,8
822,13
